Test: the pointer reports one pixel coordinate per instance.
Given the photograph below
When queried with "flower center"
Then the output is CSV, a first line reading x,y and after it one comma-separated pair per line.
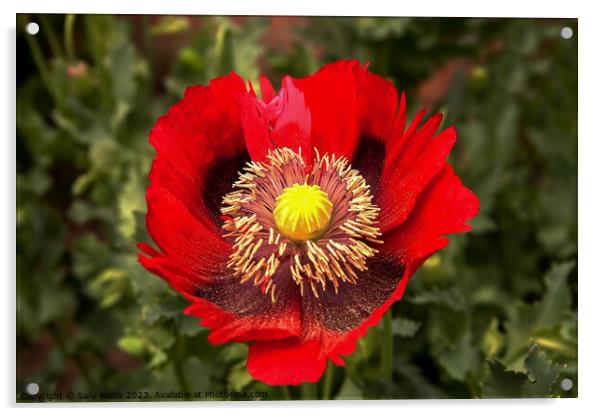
x,y
302,212
311,226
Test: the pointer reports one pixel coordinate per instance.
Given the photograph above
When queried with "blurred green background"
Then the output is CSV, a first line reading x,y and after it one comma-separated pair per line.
x,y
493,315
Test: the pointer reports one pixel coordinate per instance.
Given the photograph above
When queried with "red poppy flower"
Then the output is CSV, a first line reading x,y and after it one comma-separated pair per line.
x,y
293,222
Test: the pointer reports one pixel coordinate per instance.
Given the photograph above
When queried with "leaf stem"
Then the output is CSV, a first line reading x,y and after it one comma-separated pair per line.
x,y
555,345
40,62
148,50
68,37
180,351
181,377
285,392
309,391
387,347
328,381
53,41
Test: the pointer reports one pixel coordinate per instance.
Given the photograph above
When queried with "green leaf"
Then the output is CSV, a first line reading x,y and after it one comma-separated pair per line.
x,y
460,359
451,298
349,391
239,377
170,25
503,383
190,326
526,321
233,353
131,202
120,61
412,382
160,337
405,328
542,373
54,303
557,300
197,374
536,380
91,256
109,286
158,359
493,340
132,345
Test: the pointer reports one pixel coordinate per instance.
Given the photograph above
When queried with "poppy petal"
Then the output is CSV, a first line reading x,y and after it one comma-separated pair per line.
x,y
348,306
369,159
379,123
408,171
181,237
337,320
284,121
267,90
331,97
443,208
193,261
234,314
243,313
288,361
200,146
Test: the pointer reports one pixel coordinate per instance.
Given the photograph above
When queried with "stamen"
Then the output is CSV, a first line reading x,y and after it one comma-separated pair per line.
x,y
322,242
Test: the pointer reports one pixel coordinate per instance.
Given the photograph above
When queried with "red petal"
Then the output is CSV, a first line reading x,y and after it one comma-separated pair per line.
x,y
345,344
176,275
419,157
377,106
287,361
380,124
182,238
267,91
148,249
331,96
338,319
228,327
256,128
284,121
195,132
443,208
179,234
193,259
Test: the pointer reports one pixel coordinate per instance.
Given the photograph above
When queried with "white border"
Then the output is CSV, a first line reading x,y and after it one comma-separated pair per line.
x,y
590,208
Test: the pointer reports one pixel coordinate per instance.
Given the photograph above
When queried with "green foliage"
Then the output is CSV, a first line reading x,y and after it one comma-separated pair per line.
x,y
528,320
405,328
536,381
492,315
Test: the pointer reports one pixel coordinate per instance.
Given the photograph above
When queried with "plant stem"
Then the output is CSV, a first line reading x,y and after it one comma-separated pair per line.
x,y
181,377
387,347
285,392
68,37
552,344
53,41
180,351
328,381
309,391
473,386
148,49
40,62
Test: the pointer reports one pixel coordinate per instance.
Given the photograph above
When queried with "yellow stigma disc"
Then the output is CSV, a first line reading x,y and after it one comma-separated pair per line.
x,y
302,212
